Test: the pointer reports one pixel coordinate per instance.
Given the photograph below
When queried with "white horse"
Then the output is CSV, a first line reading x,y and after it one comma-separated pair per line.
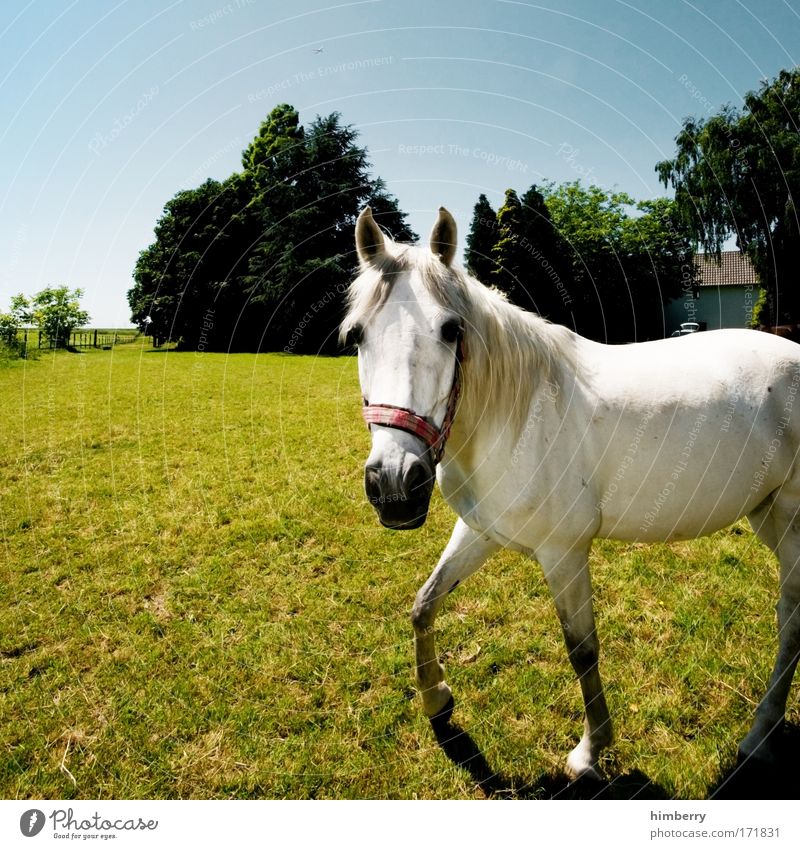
x,y
556,440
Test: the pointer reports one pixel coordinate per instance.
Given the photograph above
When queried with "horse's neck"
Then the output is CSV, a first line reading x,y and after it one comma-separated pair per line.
x,y
513,402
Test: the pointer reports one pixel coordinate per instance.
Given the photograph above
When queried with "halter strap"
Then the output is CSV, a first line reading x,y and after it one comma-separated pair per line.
x,y
402,418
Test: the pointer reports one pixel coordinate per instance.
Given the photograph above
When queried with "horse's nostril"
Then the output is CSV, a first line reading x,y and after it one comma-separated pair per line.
x,y
372,483
417,478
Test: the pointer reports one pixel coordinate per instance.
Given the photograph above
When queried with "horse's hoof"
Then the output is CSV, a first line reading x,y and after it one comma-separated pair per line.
x,y
587,774
580,765
443,717
582,772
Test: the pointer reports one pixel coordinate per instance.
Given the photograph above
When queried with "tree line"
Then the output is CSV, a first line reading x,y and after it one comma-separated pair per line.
x,y
594,260
261,260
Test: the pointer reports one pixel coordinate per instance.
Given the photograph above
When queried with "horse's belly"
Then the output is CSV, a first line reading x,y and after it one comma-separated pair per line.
x,y
666,525
685,504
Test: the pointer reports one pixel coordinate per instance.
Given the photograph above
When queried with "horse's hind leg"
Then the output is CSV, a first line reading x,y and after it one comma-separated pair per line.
x,y
783,536
567,576
465,553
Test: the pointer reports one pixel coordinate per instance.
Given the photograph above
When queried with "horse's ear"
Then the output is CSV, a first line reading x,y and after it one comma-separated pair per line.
x,y
370,241
444,237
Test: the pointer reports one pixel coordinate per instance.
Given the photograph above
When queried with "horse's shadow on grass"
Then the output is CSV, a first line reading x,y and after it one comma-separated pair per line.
x,y
464,752
752,779
742,781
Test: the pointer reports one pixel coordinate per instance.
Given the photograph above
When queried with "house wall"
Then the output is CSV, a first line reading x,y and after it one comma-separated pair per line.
x,y
680,310
717,306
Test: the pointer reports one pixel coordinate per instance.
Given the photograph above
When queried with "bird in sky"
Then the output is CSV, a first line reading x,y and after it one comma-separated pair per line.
x,y
318,49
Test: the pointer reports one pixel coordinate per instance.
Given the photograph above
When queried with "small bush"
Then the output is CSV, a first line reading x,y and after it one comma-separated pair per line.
x,y
9,351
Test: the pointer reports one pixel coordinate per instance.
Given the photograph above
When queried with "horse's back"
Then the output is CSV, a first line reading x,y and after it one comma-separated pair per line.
x,y
683,367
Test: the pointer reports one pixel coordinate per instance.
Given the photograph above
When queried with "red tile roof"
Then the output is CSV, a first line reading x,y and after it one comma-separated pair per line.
x,y
734,270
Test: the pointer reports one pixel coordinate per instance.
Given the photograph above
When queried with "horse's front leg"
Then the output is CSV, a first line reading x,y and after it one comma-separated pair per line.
x,y
567,576
465,553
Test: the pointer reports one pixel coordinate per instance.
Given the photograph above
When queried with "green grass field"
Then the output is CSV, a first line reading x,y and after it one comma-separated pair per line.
x,y
198,602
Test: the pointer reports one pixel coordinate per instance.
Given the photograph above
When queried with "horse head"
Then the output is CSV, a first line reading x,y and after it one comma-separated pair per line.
x,y
409,352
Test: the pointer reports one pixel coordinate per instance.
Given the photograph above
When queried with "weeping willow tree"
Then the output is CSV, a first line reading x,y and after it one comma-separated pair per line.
x,y
738,173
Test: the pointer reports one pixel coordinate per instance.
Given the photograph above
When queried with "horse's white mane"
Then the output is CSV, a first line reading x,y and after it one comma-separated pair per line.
x,y
509,352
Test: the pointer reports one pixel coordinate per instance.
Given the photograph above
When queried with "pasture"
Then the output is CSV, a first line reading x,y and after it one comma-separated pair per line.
x,y
199,602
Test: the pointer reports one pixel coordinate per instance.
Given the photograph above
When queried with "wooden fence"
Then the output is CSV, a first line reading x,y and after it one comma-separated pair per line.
x,y
28,339
98,339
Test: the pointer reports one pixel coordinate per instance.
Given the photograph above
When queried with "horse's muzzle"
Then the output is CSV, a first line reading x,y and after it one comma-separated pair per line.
x,y
400,500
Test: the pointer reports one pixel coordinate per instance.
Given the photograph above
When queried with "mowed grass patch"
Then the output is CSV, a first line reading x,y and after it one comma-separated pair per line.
x,y
199,602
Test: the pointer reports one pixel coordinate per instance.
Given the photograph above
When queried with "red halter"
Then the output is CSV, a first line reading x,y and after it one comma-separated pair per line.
x,y
400,418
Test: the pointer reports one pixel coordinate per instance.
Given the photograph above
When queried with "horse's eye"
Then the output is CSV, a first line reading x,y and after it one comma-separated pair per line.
x,y
354,335
451,330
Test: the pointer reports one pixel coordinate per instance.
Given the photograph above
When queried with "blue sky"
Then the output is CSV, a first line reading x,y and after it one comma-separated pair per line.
x,y
107,109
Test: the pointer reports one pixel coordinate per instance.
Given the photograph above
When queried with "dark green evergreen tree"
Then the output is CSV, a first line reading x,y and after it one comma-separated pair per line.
x,y
545,274
509,257
483,234
329,191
